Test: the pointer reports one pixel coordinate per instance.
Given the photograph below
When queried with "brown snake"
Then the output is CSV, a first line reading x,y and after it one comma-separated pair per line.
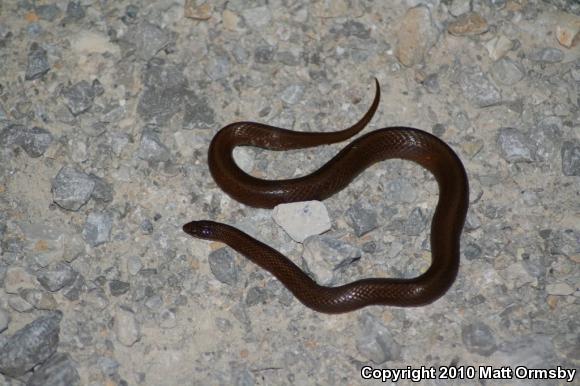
x,y
393,142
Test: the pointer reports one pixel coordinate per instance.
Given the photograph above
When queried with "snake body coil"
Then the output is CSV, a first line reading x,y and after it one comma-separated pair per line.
x,y
394,142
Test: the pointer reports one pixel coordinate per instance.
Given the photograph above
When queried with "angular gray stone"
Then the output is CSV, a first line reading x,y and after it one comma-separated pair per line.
x,y
75,10
415,223
103,192
4,320
515,146
59,370
375,341
108,366
16,279
288,58
472,251
507,71
243,377
478,338
118,287
37,62
264,54
73,292
218,67
198,113
223,266
127,329
146,227
71,188
292,94
147,39
11,135
56,276
33,141
79,97
18,304
570,158
363,219
31,345
352,28
257,17
256,295
40,300
399,190
459,7
546,55
478,88
48,12
152,149
164,93
324,255
97,228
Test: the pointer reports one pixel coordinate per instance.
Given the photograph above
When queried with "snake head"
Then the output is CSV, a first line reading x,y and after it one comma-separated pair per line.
x,y
200,229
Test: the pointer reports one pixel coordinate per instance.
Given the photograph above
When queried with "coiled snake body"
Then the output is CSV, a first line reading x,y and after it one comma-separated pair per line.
x,y
393,142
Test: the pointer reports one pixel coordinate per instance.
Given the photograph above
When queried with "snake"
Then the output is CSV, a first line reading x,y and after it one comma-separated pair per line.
x,y
405,143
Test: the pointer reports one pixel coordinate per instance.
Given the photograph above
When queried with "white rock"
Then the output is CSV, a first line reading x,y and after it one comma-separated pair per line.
x,y
16,279
561,289
459,7
517,276
244,158
134,264
498,47
302,219
257,17
126,327
324,255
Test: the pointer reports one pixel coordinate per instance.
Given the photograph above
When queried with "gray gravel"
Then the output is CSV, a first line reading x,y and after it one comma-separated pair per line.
x,y
107,109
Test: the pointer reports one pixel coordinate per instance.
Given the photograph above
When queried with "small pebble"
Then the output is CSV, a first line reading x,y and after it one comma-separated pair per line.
x,y
468,24
362,218
31,345
415,36
375,341
4,319
546,55
223,266
58,370
126,327
17,279
56,277
37,62
570,158
478,338
560,289
152,149
515,146
79,97
478,88
97,228
325,254
71,188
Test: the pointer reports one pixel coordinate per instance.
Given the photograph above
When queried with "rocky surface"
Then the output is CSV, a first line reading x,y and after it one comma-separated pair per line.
x,y
106,113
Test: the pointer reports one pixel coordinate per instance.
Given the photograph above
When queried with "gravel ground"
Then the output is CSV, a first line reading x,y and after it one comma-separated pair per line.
x,y
106,112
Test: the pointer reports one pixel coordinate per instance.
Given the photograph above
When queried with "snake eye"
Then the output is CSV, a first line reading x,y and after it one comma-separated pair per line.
x,y
205,231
